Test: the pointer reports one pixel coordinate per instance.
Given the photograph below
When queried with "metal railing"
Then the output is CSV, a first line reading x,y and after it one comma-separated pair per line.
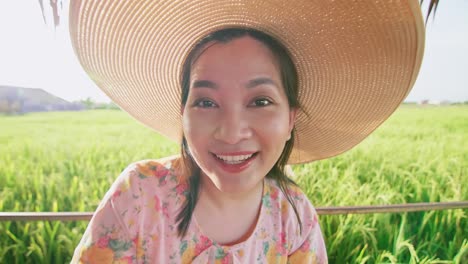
x,y
371,209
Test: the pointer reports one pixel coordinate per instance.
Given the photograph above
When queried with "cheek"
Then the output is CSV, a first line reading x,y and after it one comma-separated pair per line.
x,y
196,128
189,126
275,127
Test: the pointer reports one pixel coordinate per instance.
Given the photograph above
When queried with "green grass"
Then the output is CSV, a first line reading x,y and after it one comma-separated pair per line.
x,y
67,161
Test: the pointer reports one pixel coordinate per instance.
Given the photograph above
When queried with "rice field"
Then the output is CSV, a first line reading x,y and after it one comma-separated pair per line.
x,y
66,161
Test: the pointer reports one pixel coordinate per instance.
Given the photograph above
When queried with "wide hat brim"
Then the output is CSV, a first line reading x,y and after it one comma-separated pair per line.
x,y
356,60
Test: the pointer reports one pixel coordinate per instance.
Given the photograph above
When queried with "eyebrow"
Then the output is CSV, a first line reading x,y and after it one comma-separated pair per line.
x,y
252,83
260,81
204,84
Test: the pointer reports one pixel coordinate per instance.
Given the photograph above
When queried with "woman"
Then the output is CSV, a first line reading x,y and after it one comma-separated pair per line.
x,y
262,85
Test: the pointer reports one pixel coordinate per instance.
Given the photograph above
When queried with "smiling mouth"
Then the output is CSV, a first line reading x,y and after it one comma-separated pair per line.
x,y
235,159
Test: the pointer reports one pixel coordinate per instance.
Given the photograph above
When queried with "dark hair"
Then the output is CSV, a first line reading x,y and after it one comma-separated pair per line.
x,y
290,83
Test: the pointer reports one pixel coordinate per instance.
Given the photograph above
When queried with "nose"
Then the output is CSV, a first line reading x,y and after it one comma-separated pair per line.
x,y
233,127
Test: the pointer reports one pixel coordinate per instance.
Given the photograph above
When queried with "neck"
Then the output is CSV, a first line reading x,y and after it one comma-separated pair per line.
x,y
223,201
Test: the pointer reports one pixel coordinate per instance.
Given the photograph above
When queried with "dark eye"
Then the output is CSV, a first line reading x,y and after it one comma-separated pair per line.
x,y
261,102
204,103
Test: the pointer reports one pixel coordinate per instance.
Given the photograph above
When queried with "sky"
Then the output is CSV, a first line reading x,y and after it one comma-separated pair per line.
x,y
37,55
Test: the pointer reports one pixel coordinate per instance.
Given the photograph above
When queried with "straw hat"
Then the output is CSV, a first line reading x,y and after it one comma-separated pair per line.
x,y
356,60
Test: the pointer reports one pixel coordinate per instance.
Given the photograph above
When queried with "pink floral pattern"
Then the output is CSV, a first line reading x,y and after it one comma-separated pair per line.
x,y
135,223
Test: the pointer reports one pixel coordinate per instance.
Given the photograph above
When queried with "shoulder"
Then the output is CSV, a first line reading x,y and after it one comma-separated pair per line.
x,y
146,188
154,169
297,229
143,177
150,170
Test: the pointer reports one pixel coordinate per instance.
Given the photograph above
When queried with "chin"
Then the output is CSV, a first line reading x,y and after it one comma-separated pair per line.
x,y
236,185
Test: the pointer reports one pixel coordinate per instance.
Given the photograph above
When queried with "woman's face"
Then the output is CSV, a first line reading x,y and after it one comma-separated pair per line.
x,y
237,118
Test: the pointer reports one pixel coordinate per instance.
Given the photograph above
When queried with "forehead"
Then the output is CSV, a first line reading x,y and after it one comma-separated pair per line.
x,y
237,58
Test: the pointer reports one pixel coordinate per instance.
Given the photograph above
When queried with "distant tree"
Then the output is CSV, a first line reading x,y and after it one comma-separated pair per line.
x,y
12,102
113,106
4,108
106,106
88,103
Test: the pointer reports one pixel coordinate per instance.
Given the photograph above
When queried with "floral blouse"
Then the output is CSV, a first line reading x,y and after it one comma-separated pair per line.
x,y
135,223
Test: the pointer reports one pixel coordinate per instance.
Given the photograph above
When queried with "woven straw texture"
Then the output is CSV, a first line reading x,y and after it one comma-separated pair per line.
x,y
356,60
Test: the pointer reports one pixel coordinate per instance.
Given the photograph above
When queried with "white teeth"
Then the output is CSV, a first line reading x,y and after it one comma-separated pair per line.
x,y
234,159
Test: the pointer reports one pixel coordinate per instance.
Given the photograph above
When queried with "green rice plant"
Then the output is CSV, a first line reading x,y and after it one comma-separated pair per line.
x,y
66,161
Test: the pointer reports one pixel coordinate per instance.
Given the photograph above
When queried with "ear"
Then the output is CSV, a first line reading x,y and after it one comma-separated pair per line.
x,y
292,119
